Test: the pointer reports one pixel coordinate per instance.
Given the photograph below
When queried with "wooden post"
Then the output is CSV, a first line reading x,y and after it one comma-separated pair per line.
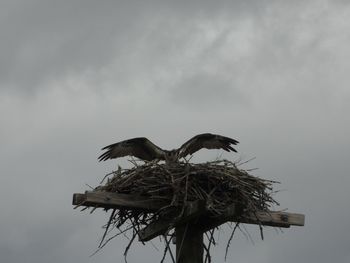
x,y
189,244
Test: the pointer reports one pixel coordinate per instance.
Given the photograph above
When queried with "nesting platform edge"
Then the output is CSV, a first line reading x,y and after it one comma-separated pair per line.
x,y
110,200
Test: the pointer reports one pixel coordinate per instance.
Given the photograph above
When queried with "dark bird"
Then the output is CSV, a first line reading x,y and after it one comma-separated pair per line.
x,y
144,149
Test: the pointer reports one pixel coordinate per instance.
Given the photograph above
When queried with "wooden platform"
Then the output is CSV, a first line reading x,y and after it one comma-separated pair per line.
x,y
194,211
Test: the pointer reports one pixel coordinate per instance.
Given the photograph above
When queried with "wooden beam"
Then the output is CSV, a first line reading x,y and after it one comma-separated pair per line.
x,y
274,218
191,211
115,200
189,244
207,223
265,218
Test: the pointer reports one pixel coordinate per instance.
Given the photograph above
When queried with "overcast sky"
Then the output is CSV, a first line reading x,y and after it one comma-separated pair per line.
x,y
78,75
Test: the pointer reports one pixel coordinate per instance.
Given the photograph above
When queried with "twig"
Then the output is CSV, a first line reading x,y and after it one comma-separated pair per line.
x,y
230,239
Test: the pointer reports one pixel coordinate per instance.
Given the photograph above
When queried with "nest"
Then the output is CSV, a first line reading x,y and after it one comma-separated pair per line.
x,y
220,184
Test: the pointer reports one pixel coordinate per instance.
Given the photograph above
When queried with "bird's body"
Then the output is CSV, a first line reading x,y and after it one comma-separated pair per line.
x,y
144,149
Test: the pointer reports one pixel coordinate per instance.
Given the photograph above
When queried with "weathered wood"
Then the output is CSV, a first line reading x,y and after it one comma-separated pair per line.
x,y
270,218
114,200
205,222
277,219
189,244
191,211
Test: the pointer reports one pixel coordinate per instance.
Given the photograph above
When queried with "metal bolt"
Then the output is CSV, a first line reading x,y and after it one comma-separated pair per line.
x,y
284,218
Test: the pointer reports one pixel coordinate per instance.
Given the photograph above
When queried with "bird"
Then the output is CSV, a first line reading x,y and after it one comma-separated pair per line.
x,y
146,150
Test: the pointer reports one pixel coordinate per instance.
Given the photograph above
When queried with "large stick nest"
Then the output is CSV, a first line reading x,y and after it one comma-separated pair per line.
x,y
220,184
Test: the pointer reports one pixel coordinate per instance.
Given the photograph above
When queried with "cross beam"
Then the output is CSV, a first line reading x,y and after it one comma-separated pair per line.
x,y
270,218
115,200
193,210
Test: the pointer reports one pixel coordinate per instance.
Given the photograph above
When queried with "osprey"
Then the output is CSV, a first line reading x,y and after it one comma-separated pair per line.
x,y
144,149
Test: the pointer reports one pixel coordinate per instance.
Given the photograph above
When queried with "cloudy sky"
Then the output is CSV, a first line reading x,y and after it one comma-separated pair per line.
x,y
77,75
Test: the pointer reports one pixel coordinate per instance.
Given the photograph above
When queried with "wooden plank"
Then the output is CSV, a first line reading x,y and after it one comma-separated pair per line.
x,y
277,219
191,211
116,200
207,223
189,244
270,218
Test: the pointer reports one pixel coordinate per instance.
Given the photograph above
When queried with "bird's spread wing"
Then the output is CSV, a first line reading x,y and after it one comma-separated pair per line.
x,y
208,141
139,147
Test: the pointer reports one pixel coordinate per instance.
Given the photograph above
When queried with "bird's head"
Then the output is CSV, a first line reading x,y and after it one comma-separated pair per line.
x,y
171,156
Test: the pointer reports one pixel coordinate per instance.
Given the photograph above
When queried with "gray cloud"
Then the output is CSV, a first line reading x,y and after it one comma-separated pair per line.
x,y
204,89
46,40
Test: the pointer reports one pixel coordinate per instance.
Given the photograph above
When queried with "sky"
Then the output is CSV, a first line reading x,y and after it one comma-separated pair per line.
x,y
78,75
